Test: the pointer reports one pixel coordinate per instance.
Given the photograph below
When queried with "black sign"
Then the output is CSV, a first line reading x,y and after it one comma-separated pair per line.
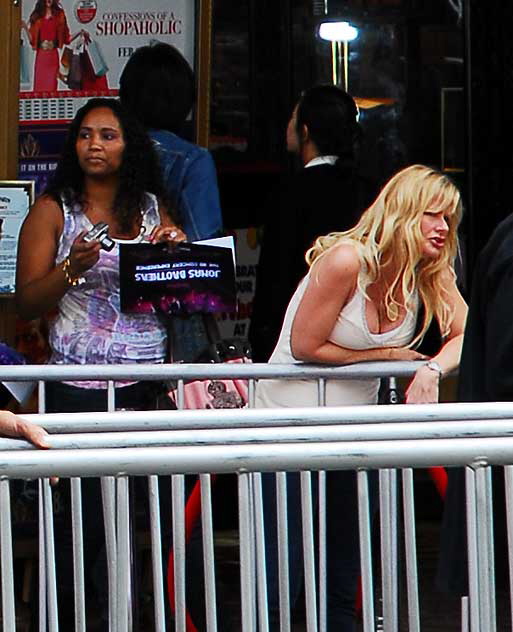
x,y
176,279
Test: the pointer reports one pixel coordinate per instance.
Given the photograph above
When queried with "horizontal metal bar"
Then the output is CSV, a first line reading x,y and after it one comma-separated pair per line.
x,y
263,417
300,370
293,433
268,457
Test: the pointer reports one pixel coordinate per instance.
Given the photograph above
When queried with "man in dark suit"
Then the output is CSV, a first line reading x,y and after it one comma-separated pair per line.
x,y
325,196
485,375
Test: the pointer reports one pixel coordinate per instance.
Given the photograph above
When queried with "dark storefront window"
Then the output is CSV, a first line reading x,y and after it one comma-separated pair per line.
x,y
230,105
405,68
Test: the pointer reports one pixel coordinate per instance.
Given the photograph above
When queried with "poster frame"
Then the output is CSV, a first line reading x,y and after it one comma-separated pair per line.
x,y
445,122
29,187
203,57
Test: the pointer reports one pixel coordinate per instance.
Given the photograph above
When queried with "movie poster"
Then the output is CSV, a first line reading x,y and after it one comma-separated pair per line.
x,y
83,48
39,148
247,252
78,54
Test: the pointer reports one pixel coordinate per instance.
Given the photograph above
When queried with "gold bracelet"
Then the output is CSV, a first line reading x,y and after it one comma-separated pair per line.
x,y
72,280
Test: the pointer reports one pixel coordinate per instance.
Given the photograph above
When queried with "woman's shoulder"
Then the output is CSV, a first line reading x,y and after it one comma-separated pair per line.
x,y
341,261
34,22
45,215
448,277
47,204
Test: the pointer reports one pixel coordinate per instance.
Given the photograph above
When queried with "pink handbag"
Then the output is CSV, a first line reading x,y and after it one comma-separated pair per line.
x,y
200,394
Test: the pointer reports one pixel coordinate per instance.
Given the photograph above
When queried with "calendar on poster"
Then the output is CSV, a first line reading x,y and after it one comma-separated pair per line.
x,y
72,50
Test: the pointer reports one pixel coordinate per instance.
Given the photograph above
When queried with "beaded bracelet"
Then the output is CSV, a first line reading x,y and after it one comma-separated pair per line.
x,y
72,280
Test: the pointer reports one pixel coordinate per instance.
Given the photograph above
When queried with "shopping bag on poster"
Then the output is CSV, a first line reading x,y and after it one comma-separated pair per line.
x,y
25,62
97,59
65,64
75,68
75,73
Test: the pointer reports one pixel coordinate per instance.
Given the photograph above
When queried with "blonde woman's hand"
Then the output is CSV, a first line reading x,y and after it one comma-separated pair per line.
x,y
423,389
404,354
171,234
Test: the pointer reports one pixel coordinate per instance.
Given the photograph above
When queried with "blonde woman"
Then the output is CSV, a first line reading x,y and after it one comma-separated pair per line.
x,y
360,301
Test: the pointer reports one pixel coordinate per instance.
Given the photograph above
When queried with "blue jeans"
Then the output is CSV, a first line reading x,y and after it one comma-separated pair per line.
x,y
342,544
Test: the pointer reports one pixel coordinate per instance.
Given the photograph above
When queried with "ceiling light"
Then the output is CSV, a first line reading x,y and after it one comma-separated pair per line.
x,y
337,31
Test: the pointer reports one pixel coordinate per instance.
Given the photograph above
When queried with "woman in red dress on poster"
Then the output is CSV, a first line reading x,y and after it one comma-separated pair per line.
x,y
48,32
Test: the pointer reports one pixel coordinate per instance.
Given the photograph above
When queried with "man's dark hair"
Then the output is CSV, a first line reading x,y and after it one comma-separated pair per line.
x,y
157,86
330,114
139,171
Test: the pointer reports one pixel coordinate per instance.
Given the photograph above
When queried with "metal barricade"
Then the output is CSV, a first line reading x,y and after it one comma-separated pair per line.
x,y
249,442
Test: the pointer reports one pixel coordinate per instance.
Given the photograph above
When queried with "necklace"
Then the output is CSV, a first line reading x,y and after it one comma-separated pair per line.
x,y
382,312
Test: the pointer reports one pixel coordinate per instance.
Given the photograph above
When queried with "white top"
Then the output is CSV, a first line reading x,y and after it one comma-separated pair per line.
x,y
350,331
90,327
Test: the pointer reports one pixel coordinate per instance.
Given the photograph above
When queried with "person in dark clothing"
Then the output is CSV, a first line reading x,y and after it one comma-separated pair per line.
x,y
485,375
157,86
326,195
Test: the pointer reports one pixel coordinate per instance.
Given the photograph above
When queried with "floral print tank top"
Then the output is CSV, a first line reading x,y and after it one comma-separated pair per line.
x,y
90,327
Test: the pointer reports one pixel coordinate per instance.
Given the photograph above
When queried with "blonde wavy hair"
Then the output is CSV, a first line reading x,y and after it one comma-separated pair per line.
x,y
389,231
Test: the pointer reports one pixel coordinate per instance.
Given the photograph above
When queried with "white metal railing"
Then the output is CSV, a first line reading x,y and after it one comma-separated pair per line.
x,y
359,371
313,455
249,442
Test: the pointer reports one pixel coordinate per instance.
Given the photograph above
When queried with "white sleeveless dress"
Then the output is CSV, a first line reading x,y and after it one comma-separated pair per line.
x,y
350,331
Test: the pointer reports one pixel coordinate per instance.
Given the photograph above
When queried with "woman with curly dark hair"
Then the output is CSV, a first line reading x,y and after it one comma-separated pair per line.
x,y
108,173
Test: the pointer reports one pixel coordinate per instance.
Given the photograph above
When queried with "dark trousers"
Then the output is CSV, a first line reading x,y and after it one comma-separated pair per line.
x,y
342,545
141,396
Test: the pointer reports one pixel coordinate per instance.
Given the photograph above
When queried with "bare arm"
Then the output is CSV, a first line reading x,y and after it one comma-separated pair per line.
x,y
40,284
424,386
31,31
13,426
331,285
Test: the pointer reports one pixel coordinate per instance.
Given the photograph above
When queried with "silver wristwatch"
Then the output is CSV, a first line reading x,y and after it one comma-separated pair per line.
x,y
434,366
